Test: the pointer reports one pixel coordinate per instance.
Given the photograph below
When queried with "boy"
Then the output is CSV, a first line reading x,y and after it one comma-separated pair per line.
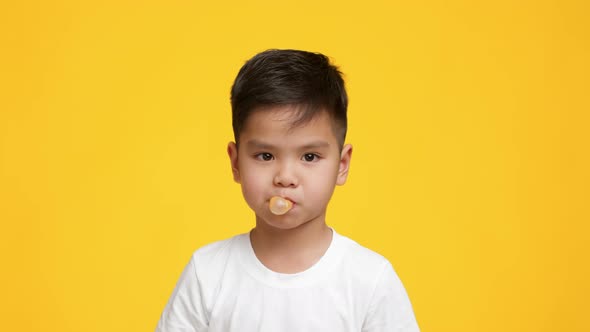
x,y
292,272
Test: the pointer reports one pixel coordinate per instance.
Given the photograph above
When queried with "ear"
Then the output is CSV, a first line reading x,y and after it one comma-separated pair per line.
x,y
344,165
232,151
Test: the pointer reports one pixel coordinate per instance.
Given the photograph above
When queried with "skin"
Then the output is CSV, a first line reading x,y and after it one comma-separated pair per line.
x,y
302,164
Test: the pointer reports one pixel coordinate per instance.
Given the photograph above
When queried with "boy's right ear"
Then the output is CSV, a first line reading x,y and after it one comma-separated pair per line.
x,y
232,151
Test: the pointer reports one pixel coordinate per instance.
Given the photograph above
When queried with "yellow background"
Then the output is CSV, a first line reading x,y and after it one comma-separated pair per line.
x,y
470,170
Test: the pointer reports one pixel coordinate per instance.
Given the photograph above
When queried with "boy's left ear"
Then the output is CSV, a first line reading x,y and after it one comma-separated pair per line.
x,y
345,156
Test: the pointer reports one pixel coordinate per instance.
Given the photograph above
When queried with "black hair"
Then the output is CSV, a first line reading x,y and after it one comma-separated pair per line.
x,y
305,80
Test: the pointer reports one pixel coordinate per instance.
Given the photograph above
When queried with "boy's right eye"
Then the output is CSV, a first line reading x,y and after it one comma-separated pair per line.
x,y
265,156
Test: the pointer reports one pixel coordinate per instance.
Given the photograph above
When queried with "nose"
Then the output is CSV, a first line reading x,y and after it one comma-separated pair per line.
x,y
285,176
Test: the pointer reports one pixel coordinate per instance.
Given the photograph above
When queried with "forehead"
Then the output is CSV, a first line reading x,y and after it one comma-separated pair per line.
x,y
279,124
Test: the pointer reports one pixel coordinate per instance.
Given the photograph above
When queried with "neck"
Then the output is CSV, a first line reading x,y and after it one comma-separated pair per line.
x,y
291,250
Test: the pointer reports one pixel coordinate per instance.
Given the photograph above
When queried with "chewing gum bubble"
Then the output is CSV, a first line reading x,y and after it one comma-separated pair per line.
x,y
279,205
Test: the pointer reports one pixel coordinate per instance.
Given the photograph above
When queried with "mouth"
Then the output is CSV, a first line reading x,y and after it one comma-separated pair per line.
x,y
280,205
287,198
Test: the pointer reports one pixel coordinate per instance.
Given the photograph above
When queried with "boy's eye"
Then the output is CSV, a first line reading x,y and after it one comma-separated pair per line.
x,y
310,157
264,156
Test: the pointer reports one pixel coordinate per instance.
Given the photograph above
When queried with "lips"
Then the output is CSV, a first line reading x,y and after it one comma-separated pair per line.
x,y
287,197
279,205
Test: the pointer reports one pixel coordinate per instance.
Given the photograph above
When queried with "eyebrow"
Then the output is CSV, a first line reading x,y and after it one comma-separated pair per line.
x,y
316,145
256,144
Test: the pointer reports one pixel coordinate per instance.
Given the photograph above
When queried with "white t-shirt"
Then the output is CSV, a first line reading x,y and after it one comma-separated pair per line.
x,y
226,288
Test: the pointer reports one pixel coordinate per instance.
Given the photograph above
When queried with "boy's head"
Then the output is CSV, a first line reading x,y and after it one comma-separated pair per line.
x,y
289,120
305,81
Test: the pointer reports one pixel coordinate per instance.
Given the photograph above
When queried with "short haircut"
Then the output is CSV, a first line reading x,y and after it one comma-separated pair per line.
x,y
307,81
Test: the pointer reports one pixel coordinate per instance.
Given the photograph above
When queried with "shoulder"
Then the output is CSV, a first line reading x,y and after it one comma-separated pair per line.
x,y
362,257
389,306
193,297
365,267
212,259
372,267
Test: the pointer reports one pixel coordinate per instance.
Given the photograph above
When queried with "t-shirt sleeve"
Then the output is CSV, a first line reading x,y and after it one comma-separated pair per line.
x,y
185,311
390,308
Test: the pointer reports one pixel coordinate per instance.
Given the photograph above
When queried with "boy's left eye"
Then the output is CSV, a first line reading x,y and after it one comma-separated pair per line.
x,y
310,157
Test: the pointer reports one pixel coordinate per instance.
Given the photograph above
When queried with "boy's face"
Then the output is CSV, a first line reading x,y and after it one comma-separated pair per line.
x,y
302,164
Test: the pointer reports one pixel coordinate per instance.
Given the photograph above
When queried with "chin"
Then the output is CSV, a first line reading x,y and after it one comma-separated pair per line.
x,y
284,222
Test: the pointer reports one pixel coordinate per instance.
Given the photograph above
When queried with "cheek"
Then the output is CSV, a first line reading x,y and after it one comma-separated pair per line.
x,y
252,186
323,182
250,175
327,173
